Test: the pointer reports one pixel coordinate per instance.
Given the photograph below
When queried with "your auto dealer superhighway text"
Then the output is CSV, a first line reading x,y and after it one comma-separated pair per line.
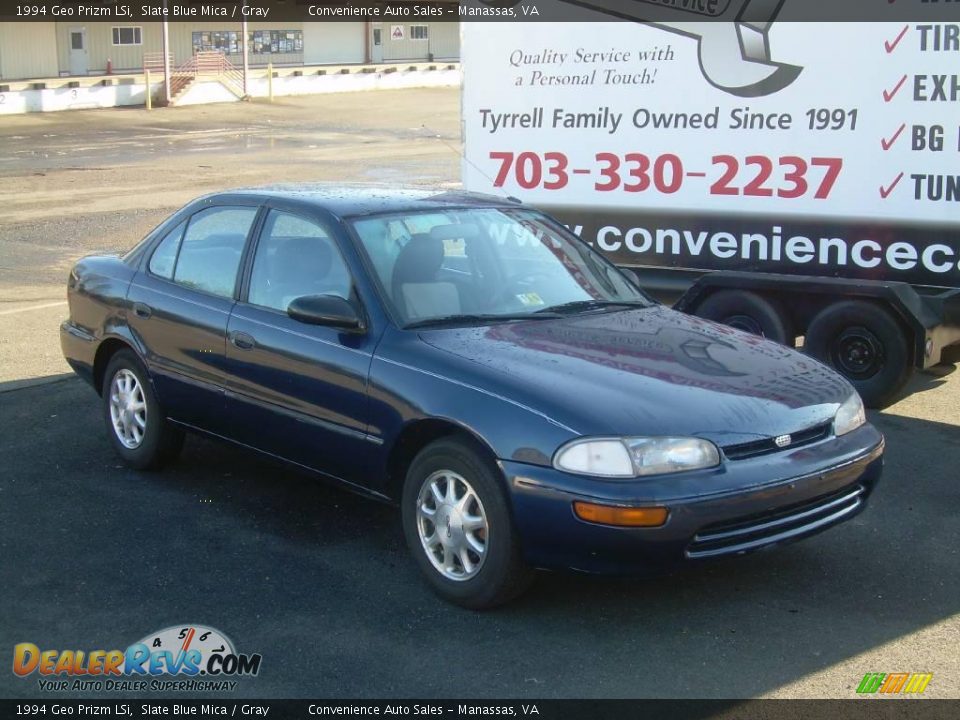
x,y
605,118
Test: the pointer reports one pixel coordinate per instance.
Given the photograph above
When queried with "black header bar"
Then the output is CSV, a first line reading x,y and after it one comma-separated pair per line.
x,y
400,11
134,709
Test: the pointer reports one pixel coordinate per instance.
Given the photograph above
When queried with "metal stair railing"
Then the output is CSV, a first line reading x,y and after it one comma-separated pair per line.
x,y
182,77
212,64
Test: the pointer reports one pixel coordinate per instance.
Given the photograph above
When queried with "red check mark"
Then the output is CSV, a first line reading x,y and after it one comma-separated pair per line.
x,y
888,95
891,46
885,191
887,144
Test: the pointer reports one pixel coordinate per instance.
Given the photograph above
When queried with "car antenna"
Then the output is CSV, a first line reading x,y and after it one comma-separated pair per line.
x,y
463,155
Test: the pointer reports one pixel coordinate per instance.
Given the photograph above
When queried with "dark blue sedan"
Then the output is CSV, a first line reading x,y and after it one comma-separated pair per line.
x,y
468,358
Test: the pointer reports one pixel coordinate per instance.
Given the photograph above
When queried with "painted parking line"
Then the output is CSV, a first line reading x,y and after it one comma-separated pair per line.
x,y
33,307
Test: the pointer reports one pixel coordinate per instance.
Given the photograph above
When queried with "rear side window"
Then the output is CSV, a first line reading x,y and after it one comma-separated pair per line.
x,y
206,256
165,256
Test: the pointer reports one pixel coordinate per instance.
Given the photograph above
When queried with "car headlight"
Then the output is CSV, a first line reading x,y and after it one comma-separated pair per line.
x,y
636,457
850,416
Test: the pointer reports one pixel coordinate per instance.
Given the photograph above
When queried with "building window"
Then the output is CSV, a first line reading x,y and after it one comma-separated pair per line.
x,y
260,42
225,41
419,32
127,36
273,42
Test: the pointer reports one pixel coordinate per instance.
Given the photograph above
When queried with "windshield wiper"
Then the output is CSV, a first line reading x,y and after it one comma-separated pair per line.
x,y
581,305
478,318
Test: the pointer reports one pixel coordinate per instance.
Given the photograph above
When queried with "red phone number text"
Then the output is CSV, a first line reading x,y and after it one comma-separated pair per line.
x,y
788,176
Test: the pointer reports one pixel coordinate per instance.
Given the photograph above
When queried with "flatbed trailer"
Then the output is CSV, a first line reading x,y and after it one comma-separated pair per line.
x,y
875,332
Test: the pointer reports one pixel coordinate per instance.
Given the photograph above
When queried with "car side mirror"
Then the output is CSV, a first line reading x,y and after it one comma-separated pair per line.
x,y
328,310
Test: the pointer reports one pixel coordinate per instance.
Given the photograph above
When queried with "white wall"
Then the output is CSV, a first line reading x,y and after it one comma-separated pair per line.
x,y
443,41
337,42
354,82
82,98
26,101
28,50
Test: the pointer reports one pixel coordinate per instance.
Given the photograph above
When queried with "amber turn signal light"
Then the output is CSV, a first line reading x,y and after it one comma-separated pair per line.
x,y
620,516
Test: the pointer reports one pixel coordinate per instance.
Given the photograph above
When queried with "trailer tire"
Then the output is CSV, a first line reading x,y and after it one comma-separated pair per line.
x,y
750,312
865,344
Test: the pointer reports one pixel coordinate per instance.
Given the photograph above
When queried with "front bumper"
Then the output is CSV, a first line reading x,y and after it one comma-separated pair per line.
x,y
742,506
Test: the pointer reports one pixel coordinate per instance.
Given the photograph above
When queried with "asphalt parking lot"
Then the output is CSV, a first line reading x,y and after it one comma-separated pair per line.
x,y
318,581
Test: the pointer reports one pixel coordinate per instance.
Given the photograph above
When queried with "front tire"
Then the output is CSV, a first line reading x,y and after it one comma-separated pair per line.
x,y
457,524
138,429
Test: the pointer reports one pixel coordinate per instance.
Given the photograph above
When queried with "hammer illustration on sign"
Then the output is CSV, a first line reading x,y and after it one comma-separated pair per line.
x,y
734,56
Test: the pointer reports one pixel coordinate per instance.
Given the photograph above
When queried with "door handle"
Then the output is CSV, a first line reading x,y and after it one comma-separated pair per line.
x,y
242,340
142,311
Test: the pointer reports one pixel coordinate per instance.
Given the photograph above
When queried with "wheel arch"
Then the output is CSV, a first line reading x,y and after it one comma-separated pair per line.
x,y
109,347
416,435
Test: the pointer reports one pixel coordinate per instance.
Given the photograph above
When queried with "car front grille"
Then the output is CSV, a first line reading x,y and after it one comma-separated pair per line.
x,y
785,523
769,445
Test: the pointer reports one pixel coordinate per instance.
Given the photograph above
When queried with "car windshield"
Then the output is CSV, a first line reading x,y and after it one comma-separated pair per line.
x,y
487,265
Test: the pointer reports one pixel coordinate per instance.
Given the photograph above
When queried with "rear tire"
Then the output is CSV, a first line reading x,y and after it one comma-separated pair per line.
x,y
136,424
750,312
865,344
458,526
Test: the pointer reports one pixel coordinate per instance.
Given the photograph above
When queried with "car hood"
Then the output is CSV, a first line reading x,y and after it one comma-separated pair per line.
x,y
650,371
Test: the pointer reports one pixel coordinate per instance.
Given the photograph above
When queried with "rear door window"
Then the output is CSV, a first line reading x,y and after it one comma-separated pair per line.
x,y
165,256
211,249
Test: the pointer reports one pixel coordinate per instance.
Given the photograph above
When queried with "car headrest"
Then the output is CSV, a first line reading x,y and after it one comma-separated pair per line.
x,y
418,261
302,260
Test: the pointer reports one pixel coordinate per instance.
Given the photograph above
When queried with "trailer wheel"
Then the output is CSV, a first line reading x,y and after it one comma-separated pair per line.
x,y
865,344
749,312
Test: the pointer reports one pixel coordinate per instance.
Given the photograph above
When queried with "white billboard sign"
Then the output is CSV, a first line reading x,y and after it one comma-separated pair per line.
x,y
848,120
804,148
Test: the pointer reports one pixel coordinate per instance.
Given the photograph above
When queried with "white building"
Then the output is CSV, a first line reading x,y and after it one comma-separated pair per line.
x,y
31,50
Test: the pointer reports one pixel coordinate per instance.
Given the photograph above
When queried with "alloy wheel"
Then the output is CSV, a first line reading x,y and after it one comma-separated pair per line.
x,y
452,525
128,409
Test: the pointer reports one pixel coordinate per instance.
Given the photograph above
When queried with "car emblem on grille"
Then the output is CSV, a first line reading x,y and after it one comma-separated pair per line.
x,y
782,441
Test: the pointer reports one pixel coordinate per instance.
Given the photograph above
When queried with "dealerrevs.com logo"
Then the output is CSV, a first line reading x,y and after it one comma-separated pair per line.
x,y
180,658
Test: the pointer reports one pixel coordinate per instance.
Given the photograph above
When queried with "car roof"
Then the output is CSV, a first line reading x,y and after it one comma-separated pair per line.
x,y
351,200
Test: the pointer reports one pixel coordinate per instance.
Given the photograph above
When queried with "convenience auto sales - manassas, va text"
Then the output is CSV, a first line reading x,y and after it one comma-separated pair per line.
x,y
462,709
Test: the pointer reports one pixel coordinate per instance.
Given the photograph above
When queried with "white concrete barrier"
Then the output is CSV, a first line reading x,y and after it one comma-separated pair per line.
x,y
16,102
355,82
26,100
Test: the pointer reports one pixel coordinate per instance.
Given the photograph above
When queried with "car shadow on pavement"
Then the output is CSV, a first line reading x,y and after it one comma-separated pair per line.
x,y
13,385
316,578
